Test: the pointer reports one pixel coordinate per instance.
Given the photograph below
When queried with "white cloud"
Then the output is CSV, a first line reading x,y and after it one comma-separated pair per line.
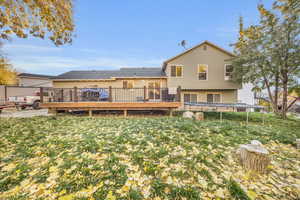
x,y
56,65
53,60
29,48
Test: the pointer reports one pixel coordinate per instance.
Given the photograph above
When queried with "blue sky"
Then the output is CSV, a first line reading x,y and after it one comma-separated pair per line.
x,y
133,33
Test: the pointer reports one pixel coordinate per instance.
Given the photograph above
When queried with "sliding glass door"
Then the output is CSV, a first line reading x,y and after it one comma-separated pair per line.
x,y
154,91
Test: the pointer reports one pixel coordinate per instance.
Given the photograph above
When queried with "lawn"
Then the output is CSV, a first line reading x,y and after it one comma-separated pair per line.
x,y
144,158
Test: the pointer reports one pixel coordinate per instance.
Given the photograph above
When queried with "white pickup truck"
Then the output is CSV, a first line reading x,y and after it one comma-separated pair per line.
x,y
26,101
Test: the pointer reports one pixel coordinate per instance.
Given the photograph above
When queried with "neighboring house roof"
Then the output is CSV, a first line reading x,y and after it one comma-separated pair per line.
x,y
191,49
110,74
27,75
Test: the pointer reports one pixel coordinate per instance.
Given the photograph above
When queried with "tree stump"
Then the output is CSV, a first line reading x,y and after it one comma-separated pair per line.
x,y
199,116
253,156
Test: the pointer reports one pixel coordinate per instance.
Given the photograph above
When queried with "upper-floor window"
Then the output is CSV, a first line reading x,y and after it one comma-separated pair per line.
x,y
176,71
213,98
228,71
190,98
127,84
202,71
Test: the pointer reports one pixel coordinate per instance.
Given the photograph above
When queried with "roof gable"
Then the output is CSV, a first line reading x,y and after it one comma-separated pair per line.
x,y
197,46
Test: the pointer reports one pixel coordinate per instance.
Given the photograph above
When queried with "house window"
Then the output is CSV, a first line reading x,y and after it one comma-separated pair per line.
x,y
154,90
190,98
176,71
213,98
202,71
127,84
228,72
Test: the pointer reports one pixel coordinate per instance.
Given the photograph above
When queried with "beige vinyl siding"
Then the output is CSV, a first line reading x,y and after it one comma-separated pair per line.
x,y
213,58
137,83
227,96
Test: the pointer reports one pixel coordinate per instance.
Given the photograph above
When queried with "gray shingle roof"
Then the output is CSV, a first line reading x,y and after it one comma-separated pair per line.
x,y
107,74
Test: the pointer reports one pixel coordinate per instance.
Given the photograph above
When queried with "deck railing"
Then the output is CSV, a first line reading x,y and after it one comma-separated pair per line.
x,y
109,94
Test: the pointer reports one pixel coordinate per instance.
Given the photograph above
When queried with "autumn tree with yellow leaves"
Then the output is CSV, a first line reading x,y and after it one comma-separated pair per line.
x,y
7,73
268,54
37,18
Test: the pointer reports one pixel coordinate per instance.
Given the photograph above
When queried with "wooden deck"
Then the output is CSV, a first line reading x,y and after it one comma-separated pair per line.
x,y
125,106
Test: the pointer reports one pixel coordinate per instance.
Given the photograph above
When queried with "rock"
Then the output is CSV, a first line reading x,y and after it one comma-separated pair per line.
x,y
253,156
188,114
199,116
298,143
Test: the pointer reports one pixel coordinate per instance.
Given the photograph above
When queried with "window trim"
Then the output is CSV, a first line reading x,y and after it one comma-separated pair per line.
x,y
177,65
190,97
225,72
220,93
202,72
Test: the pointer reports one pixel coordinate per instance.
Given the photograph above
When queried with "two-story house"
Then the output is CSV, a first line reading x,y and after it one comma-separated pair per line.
x,y
203,73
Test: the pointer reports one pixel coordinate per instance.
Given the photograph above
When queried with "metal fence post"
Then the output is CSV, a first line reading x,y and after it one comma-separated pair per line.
x,y
247,116
75,94
41,95
62,95
110,94
71,95
5,94
145,93
179,94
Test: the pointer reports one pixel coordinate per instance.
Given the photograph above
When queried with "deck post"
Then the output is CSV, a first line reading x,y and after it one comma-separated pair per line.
x,y
221,116
179,94
125,113
5,94
52,111
145,93
90,113
41,95
110,94
171,112
75,94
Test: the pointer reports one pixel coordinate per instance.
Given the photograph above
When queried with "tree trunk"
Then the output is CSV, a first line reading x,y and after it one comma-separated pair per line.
x,y
275,107
284,100
276,91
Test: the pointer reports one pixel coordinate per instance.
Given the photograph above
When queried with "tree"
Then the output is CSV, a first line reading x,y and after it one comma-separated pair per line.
x,y
37,18
7,74
268,54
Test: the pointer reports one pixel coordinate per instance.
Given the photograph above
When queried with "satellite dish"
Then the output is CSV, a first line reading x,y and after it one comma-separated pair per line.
x,y
183,44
